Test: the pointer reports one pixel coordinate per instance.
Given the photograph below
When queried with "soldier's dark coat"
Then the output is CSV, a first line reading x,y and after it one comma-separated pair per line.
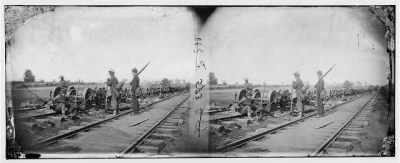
x,y
320,87
134,86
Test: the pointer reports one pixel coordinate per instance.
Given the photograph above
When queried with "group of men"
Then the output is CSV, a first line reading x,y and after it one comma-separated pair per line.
x,y
249,100
116,87
298,86
61,104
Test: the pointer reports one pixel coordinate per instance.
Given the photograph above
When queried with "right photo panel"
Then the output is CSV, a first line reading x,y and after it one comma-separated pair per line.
x,y
301,81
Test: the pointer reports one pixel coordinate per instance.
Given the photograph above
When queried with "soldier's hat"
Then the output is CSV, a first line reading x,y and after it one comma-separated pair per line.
x,y
111,70
61,76
296,73
319,72
134,70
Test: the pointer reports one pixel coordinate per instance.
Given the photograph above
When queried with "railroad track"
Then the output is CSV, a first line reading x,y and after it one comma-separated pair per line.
x,y
55,139
233,116
27,109
36,116
241,142
343,138
152,141
236,115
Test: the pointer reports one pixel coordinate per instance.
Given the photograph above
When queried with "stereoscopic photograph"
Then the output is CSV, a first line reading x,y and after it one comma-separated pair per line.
x,y
100,80
199,81
301,81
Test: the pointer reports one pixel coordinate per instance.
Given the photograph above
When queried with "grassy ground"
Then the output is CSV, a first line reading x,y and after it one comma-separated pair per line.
x,y
226,97
377,128
37,95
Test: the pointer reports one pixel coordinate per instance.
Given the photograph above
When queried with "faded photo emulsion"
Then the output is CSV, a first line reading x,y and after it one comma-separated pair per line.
x,y
199,81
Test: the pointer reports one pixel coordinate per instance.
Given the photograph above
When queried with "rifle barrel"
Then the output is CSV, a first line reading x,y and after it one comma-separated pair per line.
x,y
144,67
329,70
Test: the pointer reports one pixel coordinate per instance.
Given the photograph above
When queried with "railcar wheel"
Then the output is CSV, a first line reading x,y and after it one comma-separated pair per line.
x,y
242,94
71,91
257,93
273,97
56,91
87,93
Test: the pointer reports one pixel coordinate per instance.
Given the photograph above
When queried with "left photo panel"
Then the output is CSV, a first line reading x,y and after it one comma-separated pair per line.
x,y
100,82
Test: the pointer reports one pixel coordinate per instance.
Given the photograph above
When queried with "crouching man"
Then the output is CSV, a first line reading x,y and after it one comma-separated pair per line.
x,y
61,105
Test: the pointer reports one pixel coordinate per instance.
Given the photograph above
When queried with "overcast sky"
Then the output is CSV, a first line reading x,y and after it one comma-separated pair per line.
x,y
263,44
84,43
270,44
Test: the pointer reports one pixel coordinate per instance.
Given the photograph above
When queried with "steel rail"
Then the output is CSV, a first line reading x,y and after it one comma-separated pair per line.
x,y
54,139
214,111
133,145
339,131
27,109
243,141
36,116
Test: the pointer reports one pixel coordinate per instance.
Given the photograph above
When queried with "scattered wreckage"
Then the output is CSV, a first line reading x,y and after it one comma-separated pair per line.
x,y
254,103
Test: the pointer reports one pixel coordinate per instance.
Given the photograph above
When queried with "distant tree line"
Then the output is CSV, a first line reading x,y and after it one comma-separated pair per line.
x,y
28,76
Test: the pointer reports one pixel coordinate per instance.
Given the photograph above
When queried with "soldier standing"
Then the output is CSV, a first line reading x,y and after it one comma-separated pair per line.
x,y
320,93
63,85
134,86
298,86
112,82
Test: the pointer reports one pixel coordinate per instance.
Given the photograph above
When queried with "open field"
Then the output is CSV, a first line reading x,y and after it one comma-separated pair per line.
x,y
36,95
